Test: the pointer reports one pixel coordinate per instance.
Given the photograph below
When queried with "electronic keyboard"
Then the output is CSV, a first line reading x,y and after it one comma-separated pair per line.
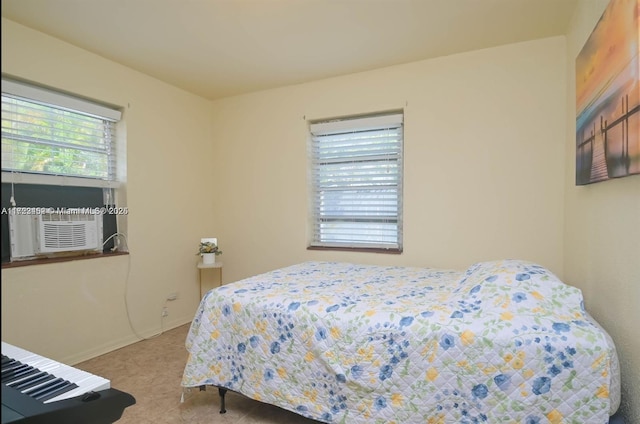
x,y
36,389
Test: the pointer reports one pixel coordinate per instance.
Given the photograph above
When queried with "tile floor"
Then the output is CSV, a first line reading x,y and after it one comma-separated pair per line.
x,y
151,371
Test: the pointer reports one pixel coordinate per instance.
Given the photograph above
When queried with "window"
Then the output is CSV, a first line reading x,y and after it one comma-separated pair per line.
x,y
53,134
356,177
58,151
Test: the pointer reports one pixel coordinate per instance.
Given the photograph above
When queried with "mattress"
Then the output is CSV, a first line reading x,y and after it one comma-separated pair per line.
x,y
503,341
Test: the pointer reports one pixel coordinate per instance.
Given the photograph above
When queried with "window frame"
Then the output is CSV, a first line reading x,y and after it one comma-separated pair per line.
x,y
351,127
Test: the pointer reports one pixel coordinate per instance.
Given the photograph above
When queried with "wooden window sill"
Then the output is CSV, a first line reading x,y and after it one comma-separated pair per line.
x,y
41,261
358,249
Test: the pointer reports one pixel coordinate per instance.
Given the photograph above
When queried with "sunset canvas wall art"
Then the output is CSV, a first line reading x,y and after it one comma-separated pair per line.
x,y
608,97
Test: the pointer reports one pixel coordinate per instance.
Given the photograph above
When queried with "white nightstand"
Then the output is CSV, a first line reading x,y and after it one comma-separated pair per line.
x,y
214,274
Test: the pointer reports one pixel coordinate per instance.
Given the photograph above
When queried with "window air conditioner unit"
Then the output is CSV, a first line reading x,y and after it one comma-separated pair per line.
x,y
51,233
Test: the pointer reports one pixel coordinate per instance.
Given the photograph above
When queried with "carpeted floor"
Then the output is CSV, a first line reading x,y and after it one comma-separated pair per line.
x,y
151,371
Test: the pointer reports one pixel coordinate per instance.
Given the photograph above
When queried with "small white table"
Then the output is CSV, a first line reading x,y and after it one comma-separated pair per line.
x,y
215,276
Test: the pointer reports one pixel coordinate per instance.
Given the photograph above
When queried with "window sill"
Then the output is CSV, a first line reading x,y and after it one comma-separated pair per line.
x,y
358,249
42,261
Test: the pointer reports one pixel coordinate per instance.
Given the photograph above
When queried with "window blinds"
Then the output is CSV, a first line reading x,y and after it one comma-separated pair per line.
x,y
49,133
357,182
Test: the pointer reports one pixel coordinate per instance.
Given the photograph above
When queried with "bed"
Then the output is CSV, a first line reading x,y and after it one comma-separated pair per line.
x,y
503,341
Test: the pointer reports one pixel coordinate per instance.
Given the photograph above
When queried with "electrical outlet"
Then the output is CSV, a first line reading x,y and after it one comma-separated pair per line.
x,y
172,296
165,312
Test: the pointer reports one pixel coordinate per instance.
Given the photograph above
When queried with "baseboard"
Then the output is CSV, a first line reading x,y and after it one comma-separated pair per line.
x,y
99,350
122,342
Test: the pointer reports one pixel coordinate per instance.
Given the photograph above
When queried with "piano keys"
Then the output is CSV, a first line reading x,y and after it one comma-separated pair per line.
x,y
37,389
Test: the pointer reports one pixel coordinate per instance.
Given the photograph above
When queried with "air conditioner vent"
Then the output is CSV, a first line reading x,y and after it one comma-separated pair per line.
x,y
67,237
63,232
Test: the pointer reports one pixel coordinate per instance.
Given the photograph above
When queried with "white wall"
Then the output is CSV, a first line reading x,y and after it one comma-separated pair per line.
x,y
76,310
484,146
602,235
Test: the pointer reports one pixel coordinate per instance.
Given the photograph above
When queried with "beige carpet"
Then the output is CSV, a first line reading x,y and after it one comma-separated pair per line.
x,y
151,371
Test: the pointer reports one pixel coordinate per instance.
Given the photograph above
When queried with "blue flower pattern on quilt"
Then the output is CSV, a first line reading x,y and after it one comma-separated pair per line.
x,y
503,341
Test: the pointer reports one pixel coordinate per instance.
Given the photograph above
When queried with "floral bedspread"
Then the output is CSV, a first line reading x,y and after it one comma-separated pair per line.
x,y
503,341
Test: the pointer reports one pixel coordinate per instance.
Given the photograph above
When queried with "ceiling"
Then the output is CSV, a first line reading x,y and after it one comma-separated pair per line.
x,y
219,48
